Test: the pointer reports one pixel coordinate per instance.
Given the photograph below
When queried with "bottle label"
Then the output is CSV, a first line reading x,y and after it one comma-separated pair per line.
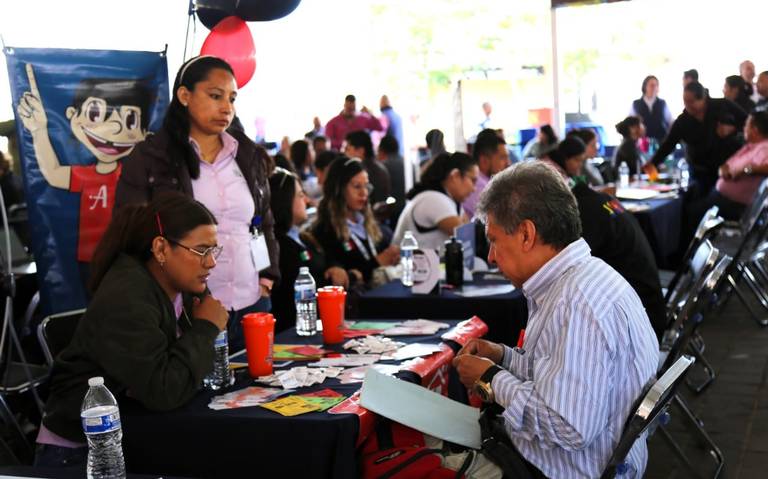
x,y
304,294
101,424
221,339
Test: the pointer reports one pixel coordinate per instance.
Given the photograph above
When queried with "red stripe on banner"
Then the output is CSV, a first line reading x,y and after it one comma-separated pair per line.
x,y
352,406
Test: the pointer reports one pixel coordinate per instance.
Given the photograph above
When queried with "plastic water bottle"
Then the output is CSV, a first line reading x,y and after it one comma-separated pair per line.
x,y
407,247
305,295
684,173
101,424
623,174
221,376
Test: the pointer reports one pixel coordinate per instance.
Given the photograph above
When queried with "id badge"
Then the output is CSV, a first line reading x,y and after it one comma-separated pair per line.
x,y
259,252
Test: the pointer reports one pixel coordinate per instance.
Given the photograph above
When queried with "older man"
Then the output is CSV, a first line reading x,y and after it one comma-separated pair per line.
x,y
589,349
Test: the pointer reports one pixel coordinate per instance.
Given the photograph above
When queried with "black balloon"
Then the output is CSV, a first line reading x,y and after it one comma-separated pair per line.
x,y
264,10
211,12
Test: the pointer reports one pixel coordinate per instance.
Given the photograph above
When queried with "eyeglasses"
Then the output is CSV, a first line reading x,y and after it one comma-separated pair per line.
x,y
360,187
211,251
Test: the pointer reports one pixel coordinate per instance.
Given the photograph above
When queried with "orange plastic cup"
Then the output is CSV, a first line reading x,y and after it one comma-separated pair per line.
x,y
330,305
259,331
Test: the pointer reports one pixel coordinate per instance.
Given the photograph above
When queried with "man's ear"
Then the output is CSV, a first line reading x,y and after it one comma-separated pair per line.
x,y
529,234
71,112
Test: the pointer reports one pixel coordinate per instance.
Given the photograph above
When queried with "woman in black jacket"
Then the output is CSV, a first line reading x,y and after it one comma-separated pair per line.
x,y
143,331
199,152
345,227
296,249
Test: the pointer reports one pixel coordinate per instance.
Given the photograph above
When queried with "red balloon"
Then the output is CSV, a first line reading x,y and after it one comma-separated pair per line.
x,y
231,40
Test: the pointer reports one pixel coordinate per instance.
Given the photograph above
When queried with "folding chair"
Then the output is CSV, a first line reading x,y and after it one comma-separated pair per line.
x,y
749,255
56,331
652,404
18,375
708,227
682,308
689,319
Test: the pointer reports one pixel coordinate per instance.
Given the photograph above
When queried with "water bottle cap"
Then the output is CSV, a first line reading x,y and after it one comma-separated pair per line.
x,y
304,270
96,381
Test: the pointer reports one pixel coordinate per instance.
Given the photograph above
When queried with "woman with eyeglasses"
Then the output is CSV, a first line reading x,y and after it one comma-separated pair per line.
x,y
434,207
150,328
199,152
345,227
289,202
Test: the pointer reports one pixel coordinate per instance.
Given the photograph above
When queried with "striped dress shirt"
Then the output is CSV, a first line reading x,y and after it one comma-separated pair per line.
x,y
589,351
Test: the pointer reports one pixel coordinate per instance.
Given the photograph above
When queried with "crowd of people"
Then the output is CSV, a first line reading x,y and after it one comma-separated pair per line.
x,y
209,227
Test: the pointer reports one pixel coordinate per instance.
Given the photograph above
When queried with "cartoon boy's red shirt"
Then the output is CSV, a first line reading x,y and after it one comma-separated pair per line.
x,y
97,198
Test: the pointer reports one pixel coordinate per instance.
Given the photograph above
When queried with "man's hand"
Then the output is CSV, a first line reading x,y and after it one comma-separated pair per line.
x,y
389,257
470,368
483,349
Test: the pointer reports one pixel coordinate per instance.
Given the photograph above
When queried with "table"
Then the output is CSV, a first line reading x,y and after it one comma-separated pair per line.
x,y
505,314
196,441
660,221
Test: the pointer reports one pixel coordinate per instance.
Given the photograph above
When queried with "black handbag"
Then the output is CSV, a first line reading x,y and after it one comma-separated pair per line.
x,y
498,448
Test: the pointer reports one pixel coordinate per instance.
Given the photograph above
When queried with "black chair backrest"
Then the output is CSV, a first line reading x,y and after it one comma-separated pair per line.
x,y
759,202
701,261
651,404
699,302
56,331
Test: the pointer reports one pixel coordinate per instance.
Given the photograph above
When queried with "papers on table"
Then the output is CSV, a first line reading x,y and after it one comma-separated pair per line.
x,y
474,291
421,409
251,396
356,375
297,352
347,360
300,376
304,403
414,350
373,345
411,327
635,193
416,327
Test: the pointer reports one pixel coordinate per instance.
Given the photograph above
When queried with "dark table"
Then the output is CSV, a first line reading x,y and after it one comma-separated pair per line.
x,y
505,314
660,222
196,441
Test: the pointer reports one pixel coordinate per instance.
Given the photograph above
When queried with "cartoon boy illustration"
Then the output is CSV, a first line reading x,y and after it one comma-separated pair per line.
x,y
108,117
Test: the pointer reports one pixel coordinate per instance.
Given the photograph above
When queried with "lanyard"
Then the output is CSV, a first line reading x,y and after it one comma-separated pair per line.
x,y
360,246
254,226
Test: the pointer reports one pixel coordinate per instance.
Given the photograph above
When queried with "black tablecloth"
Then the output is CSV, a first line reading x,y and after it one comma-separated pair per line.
x,y
661,225
505,314
196,441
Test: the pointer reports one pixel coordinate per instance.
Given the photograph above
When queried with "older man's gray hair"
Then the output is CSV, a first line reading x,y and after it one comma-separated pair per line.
x,y
532,191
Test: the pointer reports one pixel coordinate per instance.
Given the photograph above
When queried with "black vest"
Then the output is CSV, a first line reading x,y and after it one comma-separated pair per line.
x,y
655,124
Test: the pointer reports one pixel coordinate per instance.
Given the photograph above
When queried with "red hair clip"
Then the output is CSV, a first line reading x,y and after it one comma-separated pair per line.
x,y
159,224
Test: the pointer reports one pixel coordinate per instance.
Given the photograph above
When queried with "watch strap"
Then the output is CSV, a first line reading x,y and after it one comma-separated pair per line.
x,y
489,373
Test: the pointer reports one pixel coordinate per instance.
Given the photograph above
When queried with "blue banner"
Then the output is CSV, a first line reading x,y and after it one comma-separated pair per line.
x,y
78,114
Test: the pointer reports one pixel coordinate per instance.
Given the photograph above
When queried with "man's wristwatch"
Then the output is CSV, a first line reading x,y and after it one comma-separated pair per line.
x,y
748,170
483,385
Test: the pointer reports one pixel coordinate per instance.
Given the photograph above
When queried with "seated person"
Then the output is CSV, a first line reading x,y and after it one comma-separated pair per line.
x,y
545,141
303,160
345,228
150,328
295,250
434,209
588,351
740,176
592,173
614,235
631,129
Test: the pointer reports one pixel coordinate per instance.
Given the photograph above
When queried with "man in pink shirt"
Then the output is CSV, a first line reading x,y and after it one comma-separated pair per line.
x,y
742,174
349,120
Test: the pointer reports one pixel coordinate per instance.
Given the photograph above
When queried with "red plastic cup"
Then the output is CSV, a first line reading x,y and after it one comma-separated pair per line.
x,y
330,304
259,331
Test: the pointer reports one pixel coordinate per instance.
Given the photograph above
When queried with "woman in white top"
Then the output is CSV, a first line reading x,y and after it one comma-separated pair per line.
x,y
434,207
